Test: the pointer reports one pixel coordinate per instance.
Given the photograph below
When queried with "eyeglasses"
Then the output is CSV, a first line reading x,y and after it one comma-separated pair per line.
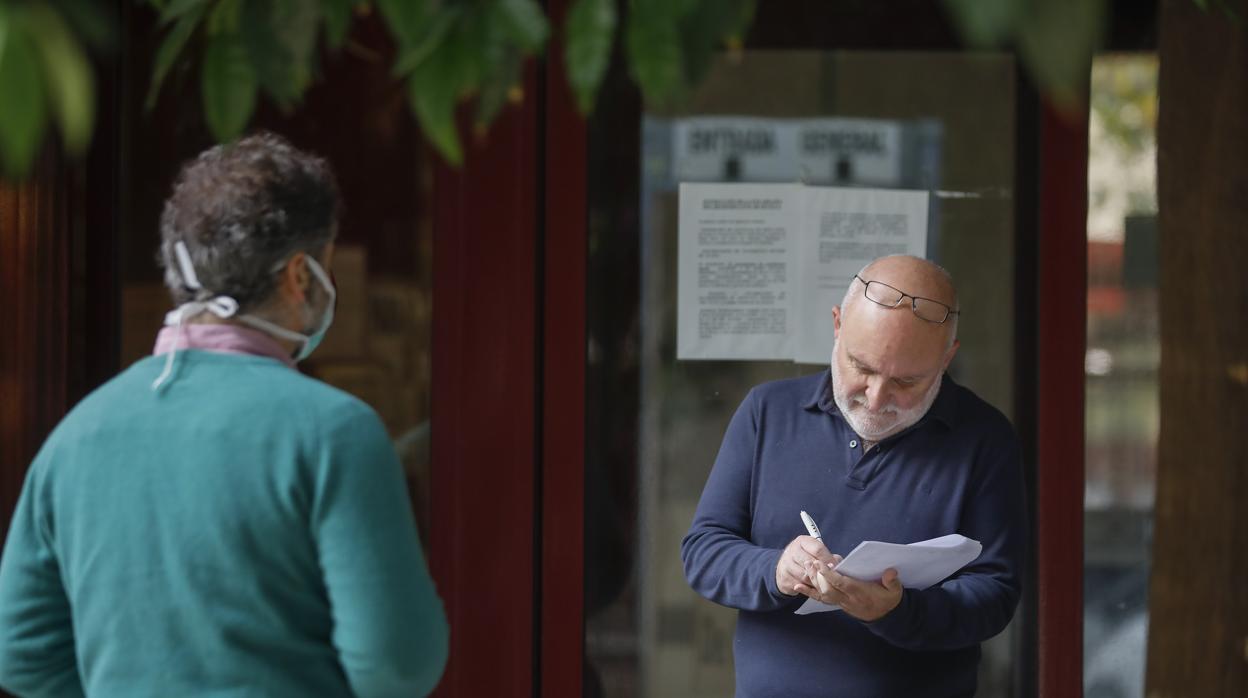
x,y
927,309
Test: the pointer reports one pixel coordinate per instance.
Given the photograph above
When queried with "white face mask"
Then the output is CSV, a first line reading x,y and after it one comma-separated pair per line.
x,y
307,342
226,307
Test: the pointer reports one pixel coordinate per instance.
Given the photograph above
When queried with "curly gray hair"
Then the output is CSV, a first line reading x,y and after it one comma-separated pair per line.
x,y
241,209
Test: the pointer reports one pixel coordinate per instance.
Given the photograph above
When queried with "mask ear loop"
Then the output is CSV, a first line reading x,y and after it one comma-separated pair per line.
x,y
273,328
222,306
169,358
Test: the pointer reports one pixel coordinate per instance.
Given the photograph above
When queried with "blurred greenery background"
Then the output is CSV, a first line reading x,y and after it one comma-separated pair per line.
x,y
449,52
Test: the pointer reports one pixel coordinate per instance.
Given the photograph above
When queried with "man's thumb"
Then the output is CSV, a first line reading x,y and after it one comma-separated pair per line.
x,y
891,580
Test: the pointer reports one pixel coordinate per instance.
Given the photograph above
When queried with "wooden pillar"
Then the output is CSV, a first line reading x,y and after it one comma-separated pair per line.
x,y
485,406
1198,629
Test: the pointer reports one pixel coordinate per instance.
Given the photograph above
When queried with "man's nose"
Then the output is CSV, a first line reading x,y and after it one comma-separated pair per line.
x,y
877,394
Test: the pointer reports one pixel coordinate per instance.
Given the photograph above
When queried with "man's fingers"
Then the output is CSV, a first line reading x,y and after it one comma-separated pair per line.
x,y
807,590
815,548
847,587
792,574
822,582
796,569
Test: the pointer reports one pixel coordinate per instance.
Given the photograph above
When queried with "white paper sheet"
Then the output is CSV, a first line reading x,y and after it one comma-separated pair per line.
x,y
734,287
762,265
919,565
843,230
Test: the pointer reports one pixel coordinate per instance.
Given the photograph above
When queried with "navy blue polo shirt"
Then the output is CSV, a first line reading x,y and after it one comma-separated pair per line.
x,y
788,449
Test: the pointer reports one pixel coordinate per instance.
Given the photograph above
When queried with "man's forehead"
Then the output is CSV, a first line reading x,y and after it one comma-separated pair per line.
x,y
869,363
893,341
890,365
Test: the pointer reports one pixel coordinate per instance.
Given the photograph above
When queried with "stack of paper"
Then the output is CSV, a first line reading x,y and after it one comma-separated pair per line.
x,y
919,565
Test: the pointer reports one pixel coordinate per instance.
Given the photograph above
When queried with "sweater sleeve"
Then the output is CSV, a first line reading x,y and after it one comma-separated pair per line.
x,y
977,602
721,563
390,629
37,655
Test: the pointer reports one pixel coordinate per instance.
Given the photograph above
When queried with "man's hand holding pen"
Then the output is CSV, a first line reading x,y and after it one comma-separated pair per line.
x,y
791,570
818,578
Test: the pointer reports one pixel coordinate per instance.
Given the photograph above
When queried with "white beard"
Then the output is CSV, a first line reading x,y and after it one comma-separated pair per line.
x,y
877,426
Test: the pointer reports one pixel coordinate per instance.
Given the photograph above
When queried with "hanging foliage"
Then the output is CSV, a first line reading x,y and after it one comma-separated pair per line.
x,y
448,52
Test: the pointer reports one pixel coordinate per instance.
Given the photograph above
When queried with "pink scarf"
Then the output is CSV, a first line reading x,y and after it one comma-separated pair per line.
x,y
223,338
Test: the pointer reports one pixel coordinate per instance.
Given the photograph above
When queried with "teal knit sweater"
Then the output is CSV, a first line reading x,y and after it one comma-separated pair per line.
x,y
245,531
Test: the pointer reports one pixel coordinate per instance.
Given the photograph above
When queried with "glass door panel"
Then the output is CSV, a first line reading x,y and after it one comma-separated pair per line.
x,y
942,122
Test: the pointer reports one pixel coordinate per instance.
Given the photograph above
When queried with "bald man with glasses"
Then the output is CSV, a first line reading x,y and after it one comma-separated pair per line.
x,y
882,446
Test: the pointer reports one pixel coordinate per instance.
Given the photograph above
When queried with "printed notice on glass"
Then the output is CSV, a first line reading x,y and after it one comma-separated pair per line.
x,y
843,229
762,265
735,271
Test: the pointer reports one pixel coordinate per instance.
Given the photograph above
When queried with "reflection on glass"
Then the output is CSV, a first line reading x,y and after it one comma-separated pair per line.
x,y
1122,411
941,122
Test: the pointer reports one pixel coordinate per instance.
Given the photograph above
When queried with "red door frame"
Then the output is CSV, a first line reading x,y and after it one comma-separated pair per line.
x,y
509,442
563,407
484,415
1061,323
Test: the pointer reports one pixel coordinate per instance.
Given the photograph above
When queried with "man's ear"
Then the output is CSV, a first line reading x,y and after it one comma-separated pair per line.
x,y
836,321
949,354
293,279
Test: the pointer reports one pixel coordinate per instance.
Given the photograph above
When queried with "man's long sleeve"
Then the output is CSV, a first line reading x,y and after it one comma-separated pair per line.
x,y
37,655
390,629
720,562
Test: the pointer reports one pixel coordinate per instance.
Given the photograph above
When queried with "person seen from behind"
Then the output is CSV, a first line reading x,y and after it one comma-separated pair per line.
x,y
212,522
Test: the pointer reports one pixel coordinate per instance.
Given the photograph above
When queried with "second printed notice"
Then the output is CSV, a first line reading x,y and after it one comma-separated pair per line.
x,y
761,265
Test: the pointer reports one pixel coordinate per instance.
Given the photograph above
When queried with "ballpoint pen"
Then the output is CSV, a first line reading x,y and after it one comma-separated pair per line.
x,y
811,527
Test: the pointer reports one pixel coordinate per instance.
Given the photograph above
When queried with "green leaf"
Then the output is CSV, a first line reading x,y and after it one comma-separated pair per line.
x,y
984,24
498,89
525,23
435,31
177,8
485,47
588,32
229,87
280,38
705,28
88,20
434,89
225,17
337,14
68,73
499,62
654,54
22,111
1057,42
407,19
169,51
669,9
